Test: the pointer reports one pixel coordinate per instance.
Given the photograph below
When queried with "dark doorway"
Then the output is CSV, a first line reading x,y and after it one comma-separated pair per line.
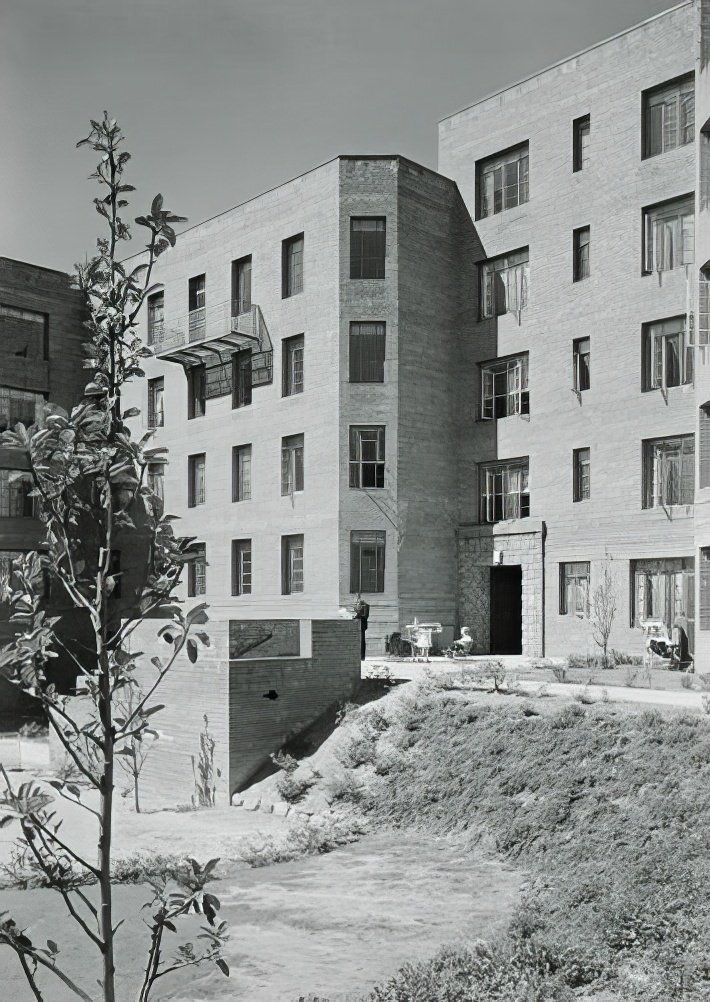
x,y
507,610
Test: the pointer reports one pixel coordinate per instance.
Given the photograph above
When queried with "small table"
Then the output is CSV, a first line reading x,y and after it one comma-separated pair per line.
x,y
419,636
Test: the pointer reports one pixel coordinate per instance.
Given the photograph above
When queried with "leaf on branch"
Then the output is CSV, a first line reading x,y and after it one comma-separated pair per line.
x,y
154,709
157,205
131,412
223,966
197,615
191,650
204,638
6,820
52,947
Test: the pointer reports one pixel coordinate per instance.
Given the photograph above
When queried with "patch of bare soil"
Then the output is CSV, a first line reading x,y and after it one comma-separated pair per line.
x,y
321,924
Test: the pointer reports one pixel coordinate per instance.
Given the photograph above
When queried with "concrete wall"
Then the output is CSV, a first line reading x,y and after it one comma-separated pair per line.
x,y
305,688
614,415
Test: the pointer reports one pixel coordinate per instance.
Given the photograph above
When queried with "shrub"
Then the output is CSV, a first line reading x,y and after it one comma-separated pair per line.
x,y
357,750
144,867
704,681
686,681
585,696
284,761
705,697
303,838
33,729
560,672
292,787
630,675
343,786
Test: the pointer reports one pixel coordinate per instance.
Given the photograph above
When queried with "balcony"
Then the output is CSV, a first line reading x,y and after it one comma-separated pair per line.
x,y
214,334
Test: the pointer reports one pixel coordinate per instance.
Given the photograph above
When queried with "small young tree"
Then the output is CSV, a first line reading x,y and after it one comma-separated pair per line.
x,y
604,612
89,481
132,756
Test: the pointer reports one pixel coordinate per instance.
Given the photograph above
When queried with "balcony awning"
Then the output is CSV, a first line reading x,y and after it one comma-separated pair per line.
x,y
214,336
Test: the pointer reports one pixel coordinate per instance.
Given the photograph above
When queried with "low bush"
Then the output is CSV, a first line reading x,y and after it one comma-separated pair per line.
x,y
144,867
303,838
293,787
560,672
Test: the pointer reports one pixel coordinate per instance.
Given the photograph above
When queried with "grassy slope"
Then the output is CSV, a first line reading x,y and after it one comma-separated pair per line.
x,y
609,810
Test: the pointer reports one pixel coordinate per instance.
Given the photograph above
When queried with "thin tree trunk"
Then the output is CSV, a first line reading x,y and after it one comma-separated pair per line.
x,y
135,788
106,912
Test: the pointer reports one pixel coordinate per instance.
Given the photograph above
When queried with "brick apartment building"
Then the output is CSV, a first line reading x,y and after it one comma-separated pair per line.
x,y
41,334
587,183
465,400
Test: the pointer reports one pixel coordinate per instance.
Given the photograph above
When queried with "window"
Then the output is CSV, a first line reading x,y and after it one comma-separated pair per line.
x,y
241,286
196,307
504,284
367,561
581,463
581,138
505,388
580,244
292,266
156,483
367,456
367,248
292,365
367,352
218,379
291,464
502,181
241,473
156,310
196,392
291,564
7,558
241,567
704,445
669,471
704,568
669,235
574,589
241,379
668,116
197,570
15,500
664,589
581,358
504,490
667,358
24,333
156,402
19,407
196,480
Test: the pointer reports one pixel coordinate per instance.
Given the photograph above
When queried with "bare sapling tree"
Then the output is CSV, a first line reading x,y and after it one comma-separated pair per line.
x,y
604,612
89,478
134,753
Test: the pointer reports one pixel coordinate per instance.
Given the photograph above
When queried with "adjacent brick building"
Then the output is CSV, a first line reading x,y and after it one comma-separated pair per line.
x,y
41,333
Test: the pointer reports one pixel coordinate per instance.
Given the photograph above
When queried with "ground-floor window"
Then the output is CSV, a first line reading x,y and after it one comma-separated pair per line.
x,y
664,589
574,589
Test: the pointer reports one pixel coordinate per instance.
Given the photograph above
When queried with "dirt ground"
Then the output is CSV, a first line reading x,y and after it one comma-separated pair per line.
x,y
334,925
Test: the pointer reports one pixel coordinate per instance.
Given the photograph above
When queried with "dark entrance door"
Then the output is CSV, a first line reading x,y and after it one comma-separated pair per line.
x,y
507,610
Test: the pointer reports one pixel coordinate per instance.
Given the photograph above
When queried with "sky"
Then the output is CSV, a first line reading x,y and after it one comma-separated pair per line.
x,y
223,99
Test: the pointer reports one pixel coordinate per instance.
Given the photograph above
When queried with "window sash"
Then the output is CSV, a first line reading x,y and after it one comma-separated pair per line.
x,y
667,354
367,247
292,564
367,457
582,240
241,287
196,392
669,470
504,492
504,388
292,366
292,464
293,267
582,364
156,403
582,475
670,117
19,407
505,284
574,589
669,236
504,183
156,316
367,352
15,487
367,561
664,589
197,571
242,379
241,567
241,473
196,485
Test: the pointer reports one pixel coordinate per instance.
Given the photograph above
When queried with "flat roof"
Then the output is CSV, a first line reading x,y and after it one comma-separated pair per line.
x,y
561,62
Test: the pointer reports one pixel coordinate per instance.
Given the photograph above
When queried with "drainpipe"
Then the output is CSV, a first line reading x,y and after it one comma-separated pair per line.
x,y
543,538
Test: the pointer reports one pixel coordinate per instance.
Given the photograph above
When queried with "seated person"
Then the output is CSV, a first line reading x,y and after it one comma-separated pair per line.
x,y
463,644
680,650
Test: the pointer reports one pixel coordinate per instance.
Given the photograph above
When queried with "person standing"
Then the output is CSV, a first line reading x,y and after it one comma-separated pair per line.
x,y
362,612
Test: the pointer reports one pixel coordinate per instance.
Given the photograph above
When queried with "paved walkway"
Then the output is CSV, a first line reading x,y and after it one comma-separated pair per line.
x,y
613,693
